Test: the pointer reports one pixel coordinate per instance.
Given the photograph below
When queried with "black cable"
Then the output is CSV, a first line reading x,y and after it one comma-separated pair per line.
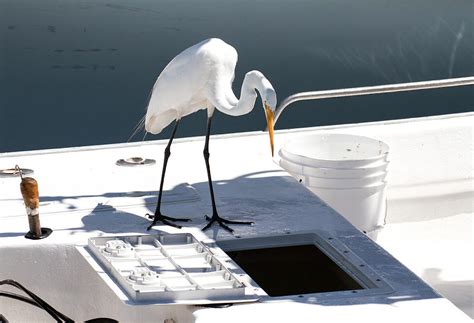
x,y
42,304
48,308
19,297
34,303
35,300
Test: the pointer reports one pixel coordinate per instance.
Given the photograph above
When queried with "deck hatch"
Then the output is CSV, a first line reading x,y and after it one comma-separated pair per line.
x,y
312,265
307,270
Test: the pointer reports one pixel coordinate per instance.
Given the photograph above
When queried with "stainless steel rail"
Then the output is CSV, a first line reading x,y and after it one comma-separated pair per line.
x,y
365,90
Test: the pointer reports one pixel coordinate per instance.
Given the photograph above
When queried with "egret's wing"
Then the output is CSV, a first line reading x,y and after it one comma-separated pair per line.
x,y
175,91
199,76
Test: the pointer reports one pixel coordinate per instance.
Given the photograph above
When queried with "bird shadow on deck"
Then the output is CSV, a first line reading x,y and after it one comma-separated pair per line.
x,y
245,198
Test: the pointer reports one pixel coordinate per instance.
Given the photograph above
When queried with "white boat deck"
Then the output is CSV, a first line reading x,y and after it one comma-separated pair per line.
x,y
84,194
440,251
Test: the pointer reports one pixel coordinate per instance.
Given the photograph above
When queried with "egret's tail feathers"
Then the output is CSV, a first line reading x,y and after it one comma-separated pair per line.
x,y
139,126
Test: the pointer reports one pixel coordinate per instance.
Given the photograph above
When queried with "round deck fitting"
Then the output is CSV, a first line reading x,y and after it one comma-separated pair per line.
x,y
135,161
45,232
118,248
143,276
12,172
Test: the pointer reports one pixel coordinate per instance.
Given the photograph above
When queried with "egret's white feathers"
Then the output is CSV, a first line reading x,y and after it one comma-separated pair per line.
x,y
137,128
201,77
157,122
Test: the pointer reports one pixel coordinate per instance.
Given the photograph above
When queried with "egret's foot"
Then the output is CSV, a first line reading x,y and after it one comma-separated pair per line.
x,y
223,222
165,220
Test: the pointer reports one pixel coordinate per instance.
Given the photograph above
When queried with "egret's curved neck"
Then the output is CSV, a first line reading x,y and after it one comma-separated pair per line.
x,y
254,80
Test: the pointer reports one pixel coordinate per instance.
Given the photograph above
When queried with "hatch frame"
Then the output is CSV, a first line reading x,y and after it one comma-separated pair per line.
x,y
371,282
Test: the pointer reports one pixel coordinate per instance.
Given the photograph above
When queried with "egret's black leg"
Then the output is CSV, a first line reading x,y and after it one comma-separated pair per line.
x,y
158,216
215,216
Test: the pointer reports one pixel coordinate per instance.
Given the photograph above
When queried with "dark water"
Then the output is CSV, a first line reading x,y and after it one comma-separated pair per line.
x,y
79,72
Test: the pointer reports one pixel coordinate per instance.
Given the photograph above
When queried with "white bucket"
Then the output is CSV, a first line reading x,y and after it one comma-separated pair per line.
x,y
326,172
364,207
335,151
347,172
312,181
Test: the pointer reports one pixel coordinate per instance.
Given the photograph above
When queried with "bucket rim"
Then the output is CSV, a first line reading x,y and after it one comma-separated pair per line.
x,y
381,184
307,170
331,164
384,148
378,174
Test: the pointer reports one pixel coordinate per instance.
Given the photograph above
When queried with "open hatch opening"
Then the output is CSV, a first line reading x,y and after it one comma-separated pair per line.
x,y
292,270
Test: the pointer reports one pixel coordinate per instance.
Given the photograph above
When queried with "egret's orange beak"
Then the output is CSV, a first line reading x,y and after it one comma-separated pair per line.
x,y
269,114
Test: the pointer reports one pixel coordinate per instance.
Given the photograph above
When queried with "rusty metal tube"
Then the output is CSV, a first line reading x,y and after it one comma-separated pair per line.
x,y
29,191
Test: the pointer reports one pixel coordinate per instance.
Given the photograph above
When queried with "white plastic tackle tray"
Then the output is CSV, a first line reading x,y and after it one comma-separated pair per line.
x,y
169,268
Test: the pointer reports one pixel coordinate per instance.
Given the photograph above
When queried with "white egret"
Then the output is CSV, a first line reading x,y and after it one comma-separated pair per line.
x,y
199,78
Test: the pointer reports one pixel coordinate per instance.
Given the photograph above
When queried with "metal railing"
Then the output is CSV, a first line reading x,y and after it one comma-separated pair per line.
x,y
365,90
